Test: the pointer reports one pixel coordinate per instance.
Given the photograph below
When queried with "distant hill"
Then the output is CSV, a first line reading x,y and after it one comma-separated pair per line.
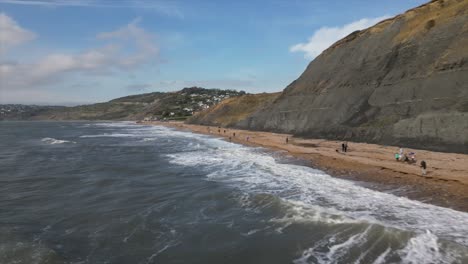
x,y
25,112
154,106
234,110
403,82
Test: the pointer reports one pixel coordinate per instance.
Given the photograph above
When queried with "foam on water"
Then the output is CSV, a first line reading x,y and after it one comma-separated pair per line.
x,y
54,141
316,196
329,220
255,171
108,135
381,258
311,196
422,248
306,189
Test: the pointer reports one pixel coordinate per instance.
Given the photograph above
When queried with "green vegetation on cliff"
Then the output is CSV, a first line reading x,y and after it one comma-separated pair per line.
x,y
233,110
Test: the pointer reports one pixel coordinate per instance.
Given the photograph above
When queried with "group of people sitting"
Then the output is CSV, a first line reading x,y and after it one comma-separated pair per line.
x,y
410,158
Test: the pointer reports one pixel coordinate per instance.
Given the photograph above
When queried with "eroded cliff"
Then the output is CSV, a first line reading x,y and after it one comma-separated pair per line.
x,y
402,81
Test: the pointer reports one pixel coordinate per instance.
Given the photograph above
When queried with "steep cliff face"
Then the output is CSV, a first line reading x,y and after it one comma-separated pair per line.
x,y
402,81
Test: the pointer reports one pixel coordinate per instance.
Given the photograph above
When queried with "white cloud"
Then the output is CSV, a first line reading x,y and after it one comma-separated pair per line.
x,y
115,56
11,34
326,36
133,33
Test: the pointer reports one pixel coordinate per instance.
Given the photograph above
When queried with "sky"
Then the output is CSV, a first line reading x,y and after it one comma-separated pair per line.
x,y
69,52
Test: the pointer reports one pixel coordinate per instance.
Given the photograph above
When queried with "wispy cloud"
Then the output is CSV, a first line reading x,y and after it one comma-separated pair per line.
x,y
326,36
168,8
133,33
113,57
12,34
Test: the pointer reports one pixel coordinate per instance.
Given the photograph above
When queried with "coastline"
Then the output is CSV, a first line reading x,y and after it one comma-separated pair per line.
x,y
446,183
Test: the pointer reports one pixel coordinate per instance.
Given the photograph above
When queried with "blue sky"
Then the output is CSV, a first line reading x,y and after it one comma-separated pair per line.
x,y
84,51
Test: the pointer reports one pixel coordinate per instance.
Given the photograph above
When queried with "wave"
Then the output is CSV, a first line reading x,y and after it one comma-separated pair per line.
x,y
114,124
108,135
54,141
313,196
422,248
254,171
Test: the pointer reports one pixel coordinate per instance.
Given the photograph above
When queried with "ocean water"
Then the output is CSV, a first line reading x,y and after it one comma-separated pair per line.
x,y
89,192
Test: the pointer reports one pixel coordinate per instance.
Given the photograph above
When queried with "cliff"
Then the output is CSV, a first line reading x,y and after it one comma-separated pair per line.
x,y
403,81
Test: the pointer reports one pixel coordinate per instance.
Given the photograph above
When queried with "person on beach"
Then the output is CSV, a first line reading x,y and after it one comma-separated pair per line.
x,y
346,147
234,134
247,139
342,147
287,140
423,168
405,158
397,156
224,131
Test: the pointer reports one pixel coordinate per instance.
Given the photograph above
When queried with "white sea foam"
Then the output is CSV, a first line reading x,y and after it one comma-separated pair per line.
x,y
108,135
251,232
54,141
381,258
254,171
146,133
338,250
422,248
121,124
313,196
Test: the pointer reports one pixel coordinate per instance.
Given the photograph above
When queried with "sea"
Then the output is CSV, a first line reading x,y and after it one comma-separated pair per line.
x,y
118,192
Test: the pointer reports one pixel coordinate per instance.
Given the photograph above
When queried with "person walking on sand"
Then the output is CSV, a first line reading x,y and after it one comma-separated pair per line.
x,y
346,147
234,134
423,168
342,147
287,140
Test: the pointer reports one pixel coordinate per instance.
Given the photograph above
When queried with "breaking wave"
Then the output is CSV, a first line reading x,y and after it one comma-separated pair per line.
x,y
54,141
431,232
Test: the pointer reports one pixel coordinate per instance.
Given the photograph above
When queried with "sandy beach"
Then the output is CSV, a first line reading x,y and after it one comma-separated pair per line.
x,y
446,182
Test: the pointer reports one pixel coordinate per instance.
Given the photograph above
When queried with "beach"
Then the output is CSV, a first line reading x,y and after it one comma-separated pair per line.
x,y
446,182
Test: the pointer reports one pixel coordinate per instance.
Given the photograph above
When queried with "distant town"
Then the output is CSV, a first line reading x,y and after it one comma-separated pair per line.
x,y
177,105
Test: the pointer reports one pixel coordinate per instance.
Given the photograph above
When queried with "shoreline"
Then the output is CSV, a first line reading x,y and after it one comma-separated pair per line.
x,y
446,183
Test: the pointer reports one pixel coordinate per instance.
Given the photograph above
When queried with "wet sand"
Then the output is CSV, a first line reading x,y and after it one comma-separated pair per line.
x,y
374,166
